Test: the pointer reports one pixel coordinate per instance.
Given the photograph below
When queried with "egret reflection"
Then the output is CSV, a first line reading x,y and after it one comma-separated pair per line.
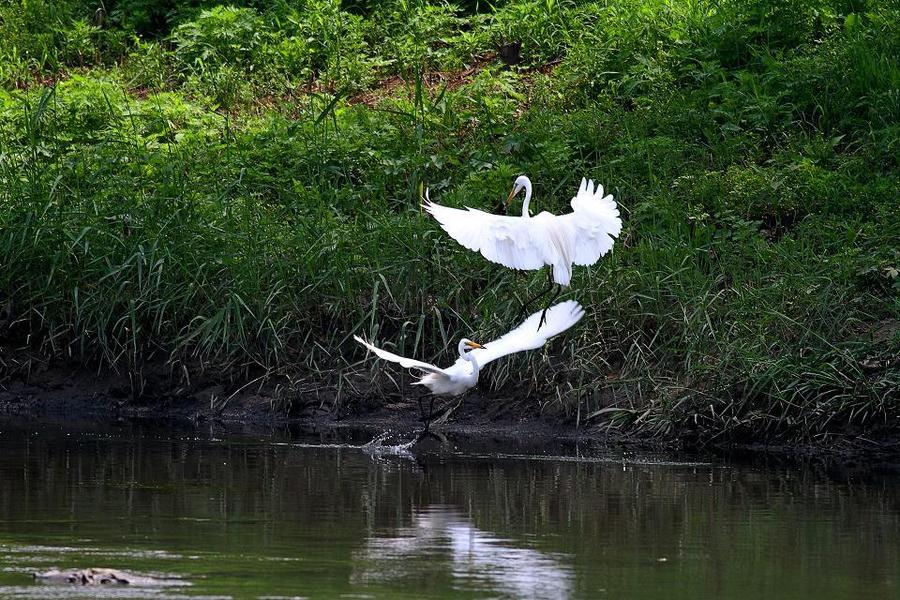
x,y
441,539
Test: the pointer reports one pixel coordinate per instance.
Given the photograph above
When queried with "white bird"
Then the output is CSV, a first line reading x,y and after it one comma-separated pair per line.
x,y
527,243
463,374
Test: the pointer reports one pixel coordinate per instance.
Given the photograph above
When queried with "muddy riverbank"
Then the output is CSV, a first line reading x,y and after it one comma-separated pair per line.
x,y
67,395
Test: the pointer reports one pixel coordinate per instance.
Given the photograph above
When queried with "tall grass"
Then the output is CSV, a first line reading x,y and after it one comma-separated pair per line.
x,y
240,213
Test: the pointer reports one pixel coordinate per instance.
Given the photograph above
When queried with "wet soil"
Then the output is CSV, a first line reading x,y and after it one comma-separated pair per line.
x,y
70,395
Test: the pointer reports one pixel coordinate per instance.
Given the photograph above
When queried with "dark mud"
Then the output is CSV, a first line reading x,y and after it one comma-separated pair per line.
x,y
72,397
67,395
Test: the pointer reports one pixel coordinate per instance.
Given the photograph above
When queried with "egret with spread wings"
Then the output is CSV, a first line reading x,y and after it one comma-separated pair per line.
x,y
463,374
580,237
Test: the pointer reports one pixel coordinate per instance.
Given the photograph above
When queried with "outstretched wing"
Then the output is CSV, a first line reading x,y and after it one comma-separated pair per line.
x,y
513,242
596,221
528,336
590,196
409,363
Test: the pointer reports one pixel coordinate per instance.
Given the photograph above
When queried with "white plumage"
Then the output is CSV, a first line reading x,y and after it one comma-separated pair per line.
x,y
580,237
463,374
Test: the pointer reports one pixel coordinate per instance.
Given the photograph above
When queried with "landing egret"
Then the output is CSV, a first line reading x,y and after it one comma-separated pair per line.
x,y
580,237
463,374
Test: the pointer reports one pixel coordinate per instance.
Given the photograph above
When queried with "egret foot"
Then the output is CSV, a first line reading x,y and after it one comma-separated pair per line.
x,y
431,434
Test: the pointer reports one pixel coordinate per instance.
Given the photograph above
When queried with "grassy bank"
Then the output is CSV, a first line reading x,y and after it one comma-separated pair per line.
x,y
235,190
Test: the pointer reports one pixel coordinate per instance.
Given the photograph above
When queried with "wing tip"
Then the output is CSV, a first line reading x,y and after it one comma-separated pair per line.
x,y
571,310
368,345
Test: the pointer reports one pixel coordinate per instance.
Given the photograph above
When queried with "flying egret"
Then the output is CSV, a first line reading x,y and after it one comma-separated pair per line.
x,y
580,237
463,374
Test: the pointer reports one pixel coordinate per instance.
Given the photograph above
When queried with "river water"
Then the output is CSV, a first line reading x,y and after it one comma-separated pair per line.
x,y
300,516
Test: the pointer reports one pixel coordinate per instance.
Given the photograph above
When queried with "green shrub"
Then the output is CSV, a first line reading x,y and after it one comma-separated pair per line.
x,y
543,27
223,36
151,66
323,42
419,35
225,86
77,43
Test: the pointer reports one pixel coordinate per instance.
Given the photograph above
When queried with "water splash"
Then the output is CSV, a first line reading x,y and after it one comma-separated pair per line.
x,y
387,444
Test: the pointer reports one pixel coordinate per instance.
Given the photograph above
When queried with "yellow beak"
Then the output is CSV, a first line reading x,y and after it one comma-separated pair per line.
x,y
512,194
474,345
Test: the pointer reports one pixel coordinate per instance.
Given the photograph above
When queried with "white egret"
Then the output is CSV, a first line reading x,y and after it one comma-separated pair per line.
x,y
463,374
580,237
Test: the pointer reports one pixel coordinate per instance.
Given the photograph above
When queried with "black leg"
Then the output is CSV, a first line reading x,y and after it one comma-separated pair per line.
x,y
427,420
531,300
431,408
549,304
424,433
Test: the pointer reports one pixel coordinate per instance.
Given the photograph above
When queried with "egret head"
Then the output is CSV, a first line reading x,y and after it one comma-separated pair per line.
x,y
521,183
466,344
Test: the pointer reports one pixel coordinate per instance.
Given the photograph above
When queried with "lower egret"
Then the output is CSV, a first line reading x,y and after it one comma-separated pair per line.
x,y
463,374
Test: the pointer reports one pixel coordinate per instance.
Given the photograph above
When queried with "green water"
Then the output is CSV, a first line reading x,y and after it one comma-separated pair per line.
x,y
316,517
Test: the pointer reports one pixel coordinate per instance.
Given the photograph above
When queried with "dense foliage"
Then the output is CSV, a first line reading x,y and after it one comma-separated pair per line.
x,y
236,187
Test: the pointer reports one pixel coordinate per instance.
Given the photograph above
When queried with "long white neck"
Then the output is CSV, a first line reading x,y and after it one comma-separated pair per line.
x,y
527,183
469,357
475,368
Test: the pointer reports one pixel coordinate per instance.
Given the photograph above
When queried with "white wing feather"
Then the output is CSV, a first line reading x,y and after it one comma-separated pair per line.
x,y
528,336
580,237
590,196
409,363
596,220
513,242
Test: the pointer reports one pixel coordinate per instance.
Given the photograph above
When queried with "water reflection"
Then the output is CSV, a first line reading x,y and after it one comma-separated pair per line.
x,y
441,539
247,517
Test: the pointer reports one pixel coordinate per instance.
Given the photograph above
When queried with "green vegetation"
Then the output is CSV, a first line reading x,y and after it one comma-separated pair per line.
x,y
235,189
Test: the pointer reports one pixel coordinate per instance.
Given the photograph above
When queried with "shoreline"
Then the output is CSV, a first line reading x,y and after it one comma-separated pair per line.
x,y
72,397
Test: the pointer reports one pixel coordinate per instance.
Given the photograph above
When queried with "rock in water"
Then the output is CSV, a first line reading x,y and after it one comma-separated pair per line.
x,y
94,576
